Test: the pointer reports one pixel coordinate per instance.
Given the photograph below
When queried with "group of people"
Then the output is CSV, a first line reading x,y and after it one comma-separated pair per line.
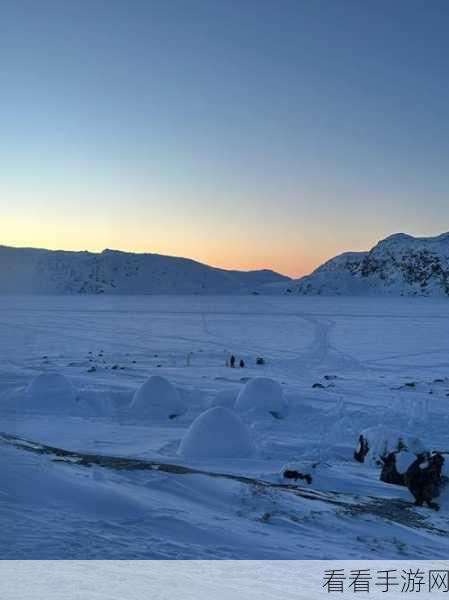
x,y
232,362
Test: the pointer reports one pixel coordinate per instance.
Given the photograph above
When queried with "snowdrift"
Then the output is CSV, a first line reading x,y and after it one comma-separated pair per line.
x,y
262,395
216,433
382,440
50,393
157,399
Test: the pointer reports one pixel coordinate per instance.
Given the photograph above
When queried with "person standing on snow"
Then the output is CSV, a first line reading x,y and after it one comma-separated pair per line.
x,y
232,361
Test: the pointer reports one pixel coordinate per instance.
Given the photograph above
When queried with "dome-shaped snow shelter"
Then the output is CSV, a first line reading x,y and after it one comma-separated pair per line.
x,y
157,399
262,395
50,392
216,433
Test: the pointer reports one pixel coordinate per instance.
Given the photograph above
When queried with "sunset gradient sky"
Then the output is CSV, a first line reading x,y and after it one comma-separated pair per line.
x,y
244,134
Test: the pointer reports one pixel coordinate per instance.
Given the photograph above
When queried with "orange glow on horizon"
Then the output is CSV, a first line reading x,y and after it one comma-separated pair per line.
x,y
292,267
245,251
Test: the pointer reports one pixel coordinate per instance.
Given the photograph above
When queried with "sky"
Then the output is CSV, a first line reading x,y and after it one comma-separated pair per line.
x,y
244,134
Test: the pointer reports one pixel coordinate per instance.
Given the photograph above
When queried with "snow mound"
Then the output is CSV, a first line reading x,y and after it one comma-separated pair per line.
x,y
382,440
51,392
157,399
225,399
216,433
262,395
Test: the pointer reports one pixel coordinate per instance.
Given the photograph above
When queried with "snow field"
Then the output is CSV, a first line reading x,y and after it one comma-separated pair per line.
x,y
381,363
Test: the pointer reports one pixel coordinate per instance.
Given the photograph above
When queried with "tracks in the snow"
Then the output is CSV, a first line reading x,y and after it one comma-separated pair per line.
x,y
137,464
392,510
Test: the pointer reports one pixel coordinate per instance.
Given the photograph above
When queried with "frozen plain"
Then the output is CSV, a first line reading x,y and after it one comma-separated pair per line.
x,y
370,348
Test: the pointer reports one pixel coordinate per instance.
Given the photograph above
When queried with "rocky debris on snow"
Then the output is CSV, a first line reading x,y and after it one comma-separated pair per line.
x,y
375,443
304,472
425,480
395,465
321,386
405,462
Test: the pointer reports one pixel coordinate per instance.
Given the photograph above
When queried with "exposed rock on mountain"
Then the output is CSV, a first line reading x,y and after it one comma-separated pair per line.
x,y
400,265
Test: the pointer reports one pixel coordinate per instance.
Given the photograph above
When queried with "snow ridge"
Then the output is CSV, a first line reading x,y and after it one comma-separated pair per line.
x,y
30,270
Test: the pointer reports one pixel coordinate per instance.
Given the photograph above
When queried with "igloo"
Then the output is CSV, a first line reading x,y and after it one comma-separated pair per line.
x,y
262,395
157,399
224,398
50,392
216,433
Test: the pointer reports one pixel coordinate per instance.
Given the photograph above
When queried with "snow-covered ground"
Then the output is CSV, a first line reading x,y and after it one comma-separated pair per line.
x,y
361,351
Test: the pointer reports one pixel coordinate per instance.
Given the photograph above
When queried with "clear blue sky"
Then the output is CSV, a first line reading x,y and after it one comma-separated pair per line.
x,y
243,134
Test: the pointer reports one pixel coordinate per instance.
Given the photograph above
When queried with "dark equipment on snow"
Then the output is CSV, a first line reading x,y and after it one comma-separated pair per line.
x,y
390,473
291,474
362,449
242,363
425,480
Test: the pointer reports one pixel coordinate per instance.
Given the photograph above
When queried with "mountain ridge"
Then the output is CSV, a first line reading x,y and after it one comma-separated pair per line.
x,y
38,270
399,265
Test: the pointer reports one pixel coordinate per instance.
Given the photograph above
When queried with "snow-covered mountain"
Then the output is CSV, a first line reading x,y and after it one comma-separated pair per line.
x,y
30,270
400,265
